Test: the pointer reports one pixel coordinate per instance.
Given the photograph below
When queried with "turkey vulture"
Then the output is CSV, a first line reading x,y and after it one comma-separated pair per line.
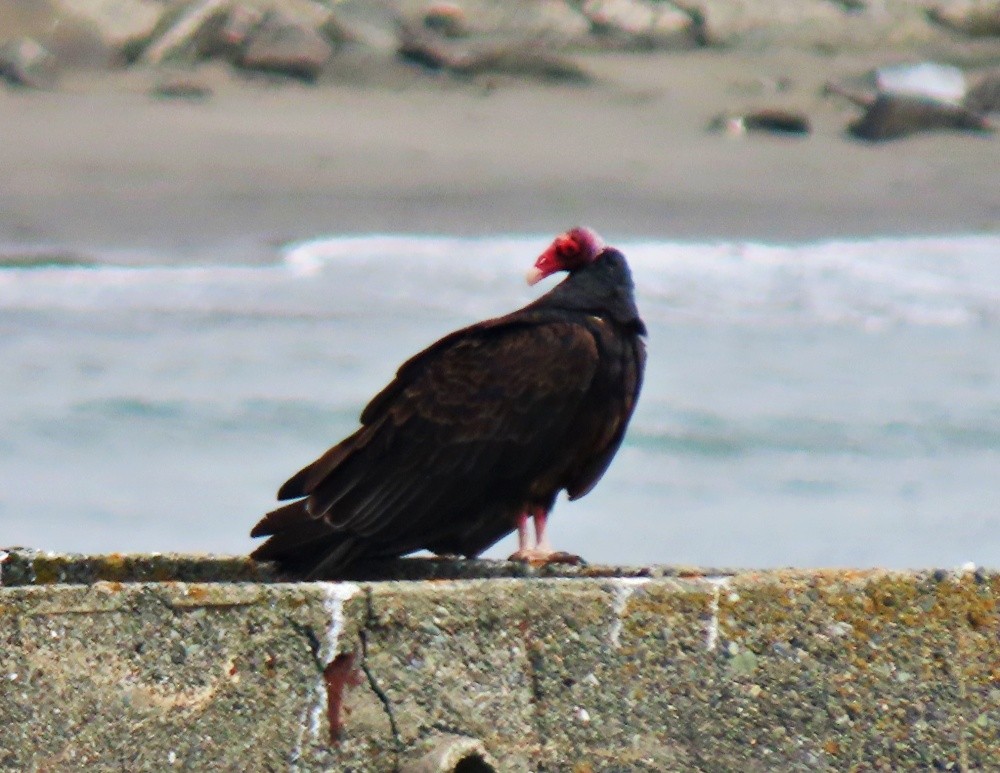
x,y
479,432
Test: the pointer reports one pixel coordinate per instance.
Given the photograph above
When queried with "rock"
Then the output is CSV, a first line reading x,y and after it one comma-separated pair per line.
x,y
116,21
518,58
523,61
337,32
284,45
558,22
757,24
421,48
891,116
975,19
940,82
226,38
765,121
984,96
77,43
446,19
177,38
641,25
26,62
181,87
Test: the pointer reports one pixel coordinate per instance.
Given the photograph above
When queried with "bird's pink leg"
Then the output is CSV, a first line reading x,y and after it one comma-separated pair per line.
x,y
541,552
522,534
542,545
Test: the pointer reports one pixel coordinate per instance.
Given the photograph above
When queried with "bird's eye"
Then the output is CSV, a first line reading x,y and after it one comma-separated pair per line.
x,y
566,247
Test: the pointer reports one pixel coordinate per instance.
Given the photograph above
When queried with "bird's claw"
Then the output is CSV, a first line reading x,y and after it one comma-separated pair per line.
x,y
536,557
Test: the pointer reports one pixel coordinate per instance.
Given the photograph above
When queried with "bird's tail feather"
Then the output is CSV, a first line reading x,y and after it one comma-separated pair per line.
x,y
303,547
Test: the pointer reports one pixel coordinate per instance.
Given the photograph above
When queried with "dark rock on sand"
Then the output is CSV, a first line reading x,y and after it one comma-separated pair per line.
x,y
984,95
284,45
181,87
420,47
765,121
26,62
524,61
891,116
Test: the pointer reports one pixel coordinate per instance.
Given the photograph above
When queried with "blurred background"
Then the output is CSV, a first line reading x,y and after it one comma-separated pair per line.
x,y
224,224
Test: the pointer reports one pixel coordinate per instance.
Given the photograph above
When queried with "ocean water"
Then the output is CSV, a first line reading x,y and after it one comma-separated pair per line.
x,y
818,404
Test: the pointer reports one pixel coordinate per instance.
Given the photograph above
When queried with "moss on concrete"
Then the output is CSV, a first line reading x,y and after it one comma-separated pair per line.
x,y
143,677
656,670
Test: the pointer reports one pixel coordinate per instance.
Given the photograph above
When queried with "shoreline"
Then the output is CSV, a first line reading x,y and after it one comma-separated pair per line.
x,y
103,165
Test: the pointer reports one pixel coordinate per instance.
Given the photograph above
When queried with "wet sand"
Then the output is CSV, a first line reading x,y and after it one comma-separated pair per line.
x,y
101,164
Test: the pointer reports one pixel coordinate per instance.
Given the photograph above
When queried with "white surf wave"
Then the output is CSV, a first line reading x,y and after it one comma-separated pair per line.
x,y
935,281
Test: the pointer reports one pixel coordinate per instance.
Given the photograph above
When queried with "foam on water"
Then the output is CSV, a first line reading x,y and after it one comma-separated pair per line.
x,y
926,281
820,403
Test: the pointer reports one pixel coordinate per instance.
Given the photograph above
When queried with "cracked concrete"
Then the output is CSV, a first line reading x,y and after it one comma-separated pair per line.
x,y
370,676
667,670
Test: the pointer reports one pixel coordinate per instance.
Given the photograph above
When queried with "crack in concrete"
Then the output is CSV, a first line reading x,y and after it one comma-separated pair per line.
x,y
324,650
309,635
533,659
313,641
370,676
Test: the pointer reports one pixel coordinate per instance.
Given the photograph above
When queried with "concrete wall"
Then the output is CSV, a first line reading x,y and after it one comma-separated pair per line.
x,y
146,663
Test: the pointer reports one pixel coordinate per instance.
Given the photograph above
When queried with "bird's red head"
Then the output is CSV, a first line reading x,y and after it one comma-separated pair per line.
x,y
571,250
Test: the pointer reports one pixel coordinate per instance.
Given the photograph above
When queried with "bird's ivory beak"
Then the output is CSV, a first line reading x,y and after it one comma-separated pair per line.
x,y
534,275
547,263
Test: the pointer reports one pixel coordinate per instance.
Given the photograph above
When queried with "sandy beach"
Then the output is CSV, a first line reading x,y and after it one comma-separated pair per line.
x,y
103,164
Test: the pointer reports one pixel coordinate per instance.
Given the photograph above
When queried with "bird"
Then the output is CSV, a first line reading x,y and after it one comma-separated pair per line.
x,y
477,434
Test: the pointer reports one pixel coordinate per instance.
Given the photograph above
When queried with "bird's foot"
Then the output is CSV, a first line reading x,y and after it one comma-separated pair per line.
x,y
536,557
541,552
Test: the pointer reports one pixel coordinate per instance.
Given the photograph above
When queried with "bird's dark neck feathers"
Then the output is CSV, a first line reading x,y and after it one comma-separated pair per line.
x,y
603,287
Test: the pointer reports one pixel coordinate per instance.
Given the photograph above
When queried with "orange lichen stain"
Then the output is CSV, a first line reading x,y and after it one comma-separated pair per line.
x,y
850,575
197,592
583,767
831,747
980,617
113,567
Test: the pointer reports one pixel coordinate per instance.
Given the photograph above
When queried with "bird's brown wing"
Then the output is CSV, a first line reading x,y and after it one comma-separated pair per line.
x,y
618,402
481,417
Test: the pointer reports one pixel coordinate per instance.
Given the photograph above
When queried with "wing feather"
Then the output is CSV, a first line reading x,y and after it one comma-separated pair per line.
x,y
457,425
